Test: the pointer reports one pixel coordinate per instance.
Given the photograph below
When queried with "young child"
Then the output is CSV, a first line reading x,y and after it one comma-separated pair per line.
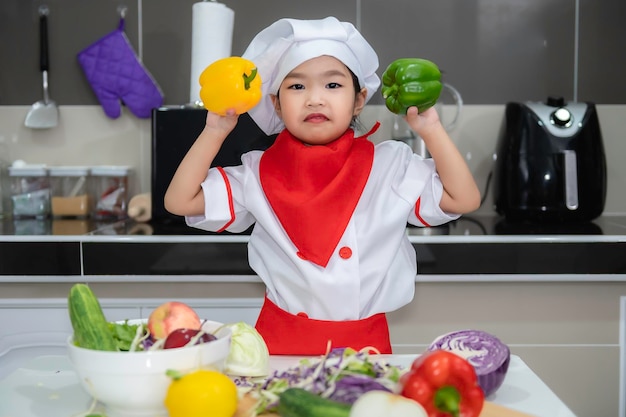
x,y
330,209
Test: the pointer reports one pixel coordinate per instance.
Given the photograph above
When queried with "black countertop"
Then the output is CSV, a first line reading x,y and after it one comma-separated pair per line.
x,y
469,225
471,245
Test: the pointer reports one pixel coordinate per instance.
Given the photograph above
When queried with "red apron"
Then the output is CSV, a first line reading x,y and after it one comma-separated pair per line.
x,y
289,334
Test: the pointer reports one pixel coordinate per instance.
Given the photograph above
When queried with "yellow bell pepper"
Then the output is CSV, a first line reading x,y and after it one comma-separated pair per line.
x,y
230,83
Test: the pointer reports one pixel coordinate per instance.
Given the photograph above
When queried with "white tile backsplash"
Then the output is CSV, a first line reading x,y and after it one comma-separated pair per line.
x,y
86,136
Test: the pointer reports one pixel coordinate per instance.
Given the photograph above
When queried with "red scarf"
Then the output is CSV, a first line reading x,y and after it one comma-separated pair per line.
x,y
314,190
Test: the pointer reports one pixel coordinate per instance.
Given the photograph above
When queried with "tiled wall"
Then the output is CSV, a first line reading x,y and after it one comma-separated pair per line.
x,y
493,51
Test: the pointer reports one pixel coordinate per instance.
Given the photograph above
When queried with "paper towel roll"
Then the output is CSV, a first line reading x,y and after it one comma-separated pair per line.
x,y
211,39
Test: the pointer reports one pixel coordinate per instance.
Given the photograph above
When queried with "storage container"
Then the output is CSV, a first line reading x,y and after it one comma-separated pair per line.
x,y
30,191
70,191
110,185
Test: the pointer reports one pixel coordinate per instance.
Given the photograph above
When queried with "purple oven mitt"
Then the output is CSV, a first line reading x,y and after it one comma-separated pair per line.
x,y
116,74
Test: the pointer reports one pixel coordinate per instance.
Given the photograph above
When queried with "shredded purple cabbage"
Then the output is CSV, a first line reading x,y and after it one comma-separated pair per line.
x,y
343,375
351,387
489,356
147,342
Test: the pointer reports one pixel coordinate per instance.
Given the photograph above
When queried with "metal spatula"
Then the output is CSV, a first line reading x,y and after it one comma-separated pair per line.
x,y
43,114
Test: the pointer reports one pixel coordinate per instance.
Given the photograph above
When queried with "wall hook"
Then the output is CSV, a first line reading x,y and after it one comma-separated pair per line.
x,y
121,10
44,10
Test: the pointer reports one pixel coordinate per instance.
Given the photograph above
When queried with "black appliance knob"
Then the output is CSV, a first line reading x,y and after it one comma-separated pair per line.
x,y
555,101
561,117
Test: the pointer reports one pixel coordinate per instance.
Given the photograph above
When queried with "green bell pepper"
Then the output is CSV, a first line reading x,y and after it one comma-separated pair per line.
x,y
411,82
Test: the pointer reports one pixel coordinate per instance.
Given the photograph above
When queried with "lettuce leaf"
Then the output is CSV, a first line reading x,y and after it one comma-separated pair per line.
x,y
125,333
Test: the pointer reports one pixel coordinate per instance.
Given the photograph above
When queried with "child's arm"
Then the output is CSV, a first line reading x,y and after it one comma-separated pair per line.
x,y
184,195
460,192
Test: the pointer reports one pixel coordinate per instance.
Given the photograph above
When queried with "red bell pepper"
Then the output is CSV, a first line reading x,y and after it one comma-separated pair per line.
x,y
445,384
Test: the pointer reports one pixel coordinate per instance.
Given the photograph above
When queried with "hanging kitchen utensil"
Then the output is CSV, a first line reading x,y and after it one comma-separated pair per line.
x,y
44,113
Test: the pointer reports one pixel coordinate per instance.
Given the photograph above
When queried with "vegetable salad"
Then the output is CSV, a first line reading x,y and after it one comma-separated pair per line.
x,y
342,375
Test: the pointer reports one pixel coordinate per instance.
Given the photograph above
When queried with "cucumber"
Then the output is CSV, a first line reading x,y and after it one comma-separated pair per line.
x,y
91,329
297,402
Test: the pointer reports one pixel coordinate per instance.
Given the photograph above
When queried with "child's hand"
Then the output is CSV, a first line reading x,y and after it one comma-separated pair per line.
x,y
223,124
420,122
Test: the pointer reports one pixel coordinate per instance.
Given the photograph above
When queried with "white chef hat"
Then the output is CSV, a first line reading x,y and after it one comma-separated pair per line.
x,y
287,43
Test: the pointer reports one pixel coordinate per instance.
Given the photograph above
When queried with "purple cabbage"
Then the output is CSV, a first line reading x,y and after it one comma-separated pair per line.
x,y
351,387
147,342
489,356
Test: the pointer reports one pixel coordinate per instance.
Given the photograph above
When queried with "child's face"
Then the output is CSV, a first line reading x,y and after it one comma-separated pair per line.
x,y
317,101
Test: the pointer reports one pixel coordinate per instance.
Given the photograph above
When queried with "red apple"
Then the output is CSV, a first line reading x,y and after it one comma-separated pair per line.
x,y
181,337
171,316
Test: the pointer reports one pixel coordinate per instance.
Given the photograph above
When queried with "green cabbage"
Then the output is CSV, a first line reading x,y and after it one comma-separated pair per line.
x,y
248,355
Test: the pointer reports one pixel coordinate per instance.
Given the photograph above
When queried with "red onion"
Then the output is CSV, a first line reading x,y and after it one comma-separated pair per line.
x,y
489,356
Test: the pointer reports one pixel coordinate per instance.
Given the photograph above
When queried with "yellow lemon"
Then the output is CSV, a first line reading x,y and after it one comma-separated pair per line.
x,y
202,393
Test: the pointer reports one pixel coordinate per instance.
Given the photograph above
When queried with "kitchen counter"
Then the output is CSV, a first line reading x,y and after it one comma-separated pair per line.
x,y
554,294
482,247
48,386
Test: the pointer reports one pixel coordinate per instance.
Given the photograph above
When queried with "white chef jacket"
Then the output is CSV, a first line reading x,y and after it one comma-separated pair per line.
x,y
374,265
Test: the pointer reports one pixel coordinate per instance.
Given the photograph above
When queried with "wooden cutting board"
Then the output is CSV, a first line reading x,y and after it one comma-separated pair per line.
x,y
495,410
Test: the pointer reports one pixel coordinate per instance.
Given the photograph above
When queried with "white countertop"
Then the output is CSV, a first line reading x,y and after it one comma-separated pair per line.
x,y
47,386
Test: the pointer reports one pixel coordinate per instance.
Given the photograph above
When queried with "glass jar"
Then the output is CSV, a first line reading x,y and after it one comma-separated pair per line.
x,y
110,185
30,191
70,191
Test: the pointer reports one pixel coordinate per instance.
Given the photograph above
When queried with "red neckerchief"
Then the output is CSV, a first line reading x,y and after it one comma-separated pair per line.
x,y
314,190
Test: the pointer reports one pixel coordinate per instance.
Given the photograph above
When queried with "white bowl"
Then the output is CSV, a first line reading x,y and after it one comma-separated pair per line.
x,y
131,384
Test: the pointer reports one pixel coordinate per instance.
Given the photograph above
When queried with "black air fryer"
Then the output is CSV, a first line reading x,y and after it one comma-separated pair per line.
x,y
550,164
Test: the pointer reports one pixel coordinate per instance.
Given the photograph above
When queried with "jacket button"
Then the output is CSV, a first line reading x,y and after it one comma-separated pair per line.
x,y
345,252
